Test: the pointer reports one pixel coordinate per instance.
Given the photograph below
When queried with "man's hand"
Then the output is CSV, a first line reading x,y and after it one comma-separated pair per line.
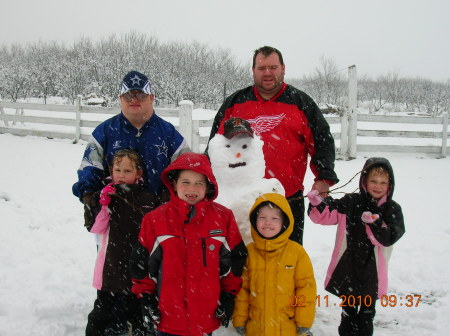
x,y
322,187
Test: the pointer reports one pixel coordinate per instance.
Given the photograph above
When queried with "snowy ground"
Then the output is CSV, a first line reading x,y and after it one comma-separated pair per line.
x,y
47,256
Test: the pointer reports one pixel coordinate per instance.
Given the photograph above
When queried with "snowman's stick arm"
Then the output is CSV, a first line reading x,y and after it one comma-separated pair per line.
x,y
333,191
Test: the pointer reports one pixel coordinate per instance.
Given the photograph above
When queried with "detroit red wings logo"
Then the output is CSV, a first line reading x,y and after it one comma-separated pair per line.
x,y
263,124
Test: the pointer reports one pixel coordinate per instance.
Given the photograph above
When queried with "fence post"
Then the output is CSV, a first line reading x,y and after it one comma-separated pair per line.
x,y
185,115
2,113
444,134
344,135
196,136
17,113
78,120
22,112
352,105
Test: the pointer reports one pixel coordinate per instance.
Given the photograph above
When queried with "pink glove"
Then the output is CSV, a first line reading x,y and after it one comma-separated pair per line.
x,y
105,197
314,197
368,218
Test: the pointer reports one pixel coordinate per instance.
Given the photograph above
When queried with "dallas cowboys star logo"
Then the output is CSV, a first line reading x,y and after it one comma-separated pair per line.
x,y
87,154
162,149
135,80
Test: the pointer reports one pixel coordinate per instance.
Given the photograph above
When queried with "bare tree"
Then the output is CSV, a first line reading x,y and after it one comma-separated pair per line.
x,y
327,84
391,83
332,79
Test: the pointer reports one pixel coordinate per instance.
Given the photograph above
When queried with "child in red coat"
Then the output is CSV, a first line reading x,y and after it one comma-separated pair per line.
x,y
187,264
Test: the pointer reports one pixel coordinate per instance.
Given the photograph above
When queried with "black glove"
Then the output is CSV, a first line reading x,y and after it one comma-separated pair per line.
x,y
150,312
225,309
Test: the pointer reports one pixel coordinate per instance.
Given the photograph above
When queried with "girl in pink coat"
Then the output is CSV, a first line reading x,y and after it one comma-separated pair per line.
x,y
121,205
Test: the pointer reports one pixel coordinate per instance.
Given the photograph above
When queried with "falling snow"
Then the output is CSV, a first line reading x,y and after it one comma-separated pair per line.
x,y
48,256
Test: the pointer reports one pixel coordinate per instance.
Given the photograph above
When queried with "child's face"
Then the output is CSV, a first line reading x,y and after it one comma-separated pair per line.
x,y
191,186
269,221
124,171
377,184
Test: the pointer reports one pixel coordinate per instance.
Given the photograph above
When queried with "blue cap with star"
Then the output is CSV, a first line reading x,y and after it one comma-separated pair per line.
x,y
134,80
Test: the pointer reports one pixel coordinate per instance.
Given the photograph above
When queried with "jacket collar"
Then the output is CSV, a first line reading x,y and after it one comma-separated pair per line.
x,y
129,126
279,93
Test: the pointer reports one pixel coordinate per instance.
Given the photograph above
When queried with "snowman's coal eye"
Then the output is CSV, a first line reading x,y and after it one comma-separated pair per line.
x,y
244,146
228,146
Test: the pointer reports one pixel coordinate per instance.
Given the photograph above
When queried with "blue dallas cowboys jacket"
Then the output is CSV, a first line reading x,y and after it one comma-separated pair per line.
x,y
158,143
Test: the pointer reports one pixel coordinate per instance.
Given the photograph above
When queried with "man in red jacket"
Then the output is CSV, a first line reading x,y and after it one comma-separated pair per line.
x,y
292,127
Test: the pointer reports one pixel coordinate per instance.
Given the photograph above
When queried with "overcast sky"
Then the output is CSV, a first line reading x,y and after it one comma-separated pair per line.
x,y
410,37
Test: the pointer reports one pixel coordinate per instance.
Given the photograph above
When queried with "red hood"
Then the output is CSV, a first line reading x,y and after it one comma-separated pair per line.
x,y
196,162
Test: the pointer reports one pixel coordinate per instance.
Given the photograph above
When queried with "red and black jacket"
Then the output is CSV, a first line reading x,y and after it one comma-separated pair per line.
x,y
188,254
291,126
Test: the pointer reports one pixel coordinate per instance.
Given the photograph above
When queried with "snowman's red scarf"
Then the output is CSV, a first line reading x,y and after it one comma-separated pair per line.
x,y
239,164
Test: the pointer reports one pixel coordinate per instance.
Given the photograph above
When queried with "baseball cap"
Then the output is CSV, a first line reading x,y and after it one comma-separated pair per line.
x,y
235,126
134,80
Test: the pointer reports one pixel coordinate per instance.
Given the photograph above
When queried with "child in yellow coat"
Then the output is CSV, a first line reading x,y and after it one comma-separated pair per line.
x,y
278,292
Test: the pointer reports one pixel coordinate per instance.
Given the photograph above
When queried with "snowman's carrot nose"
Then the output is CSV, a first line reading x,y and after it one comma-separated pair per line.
x,y
238,155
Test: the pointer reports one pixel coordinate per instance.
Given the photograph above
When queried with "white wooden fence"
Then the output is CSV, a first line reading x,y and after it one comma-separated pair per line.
x,y
77,121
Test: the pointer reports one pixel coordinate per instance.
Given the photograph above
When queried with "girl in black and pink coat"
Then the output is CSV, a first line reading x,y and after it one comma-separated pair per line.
x,y
369,223
119,208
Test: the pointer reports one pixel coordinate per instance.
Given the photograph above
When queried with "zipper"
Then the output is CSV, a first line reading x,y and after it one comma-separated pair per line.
x,y
189,214
204,251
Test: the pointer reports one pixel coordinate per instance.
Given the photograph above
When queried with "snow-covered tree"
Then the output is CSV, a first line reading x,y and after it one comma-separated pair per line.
x,y
15,77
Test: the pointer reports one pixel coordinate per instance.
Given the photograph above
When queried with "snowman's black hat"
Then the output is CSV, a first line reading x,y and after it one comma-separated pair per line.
x,y
235,126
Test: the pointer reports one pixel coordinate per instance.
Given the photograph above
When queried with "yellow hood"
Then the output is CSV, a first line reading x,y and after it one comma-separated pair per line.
x,y
271,244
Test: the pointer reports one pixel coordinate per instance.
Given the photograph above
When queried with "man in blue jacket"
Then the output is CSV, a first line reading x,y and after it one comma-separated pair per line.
x,y
137,127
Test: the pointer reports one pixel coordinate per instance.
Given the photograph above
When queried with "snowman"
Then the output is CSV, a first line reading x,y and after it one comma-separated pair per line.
x,y
238,164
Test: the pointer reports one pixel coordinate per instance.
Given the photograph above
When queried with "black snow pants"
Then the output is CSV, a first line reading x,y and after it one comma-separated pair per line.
x,y
357,320
297,205
111,313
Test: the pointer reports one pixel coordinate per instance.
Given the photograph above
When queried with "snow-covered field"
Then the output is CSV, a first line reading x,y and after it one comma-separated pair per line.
x,y
47,256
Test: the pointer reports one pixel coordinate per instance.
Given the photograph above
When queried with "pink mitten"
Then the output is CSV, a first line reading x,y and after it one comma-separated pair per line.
x,y
368,218
105,197
314,197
